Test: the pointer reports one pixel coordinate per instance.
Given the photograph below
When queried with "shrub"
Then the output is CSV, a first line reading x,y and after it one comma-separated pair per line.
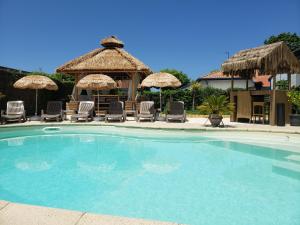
x,y
216,105
184,95
294,98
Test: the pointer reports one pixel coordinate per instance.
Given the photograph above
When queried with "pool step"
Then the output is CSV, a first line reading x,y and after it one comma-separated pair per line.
x,y
293,158
289,169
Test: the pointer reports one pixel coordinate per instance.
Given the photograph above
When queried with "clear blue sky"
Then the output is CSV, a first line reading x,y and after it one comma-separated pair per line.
x,y
187,35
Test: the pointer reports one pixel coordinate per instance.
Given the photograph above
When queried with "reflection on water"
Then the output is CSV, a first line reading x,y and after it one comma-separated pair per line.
x,y
87,138
33,166
100,168
160,168
15,141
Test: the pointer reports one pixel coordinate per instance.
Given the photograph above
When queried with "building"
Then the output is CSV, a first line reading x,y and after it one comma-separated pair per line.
x,y
217,79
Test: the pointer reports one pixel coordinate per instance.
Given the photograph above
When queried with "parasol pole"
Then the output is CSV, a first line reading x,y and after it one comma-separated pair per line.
x,y
98,101
160,105
36,101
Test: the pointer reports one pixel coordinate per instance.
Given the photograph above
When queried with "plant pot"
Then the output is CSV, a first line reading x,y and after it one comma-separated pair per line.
x,y
215,119
295,119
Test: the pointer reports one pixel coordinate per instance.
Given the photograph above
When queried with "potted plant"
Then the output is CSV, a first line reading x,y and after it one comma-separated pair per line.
x,y
216,107
294,98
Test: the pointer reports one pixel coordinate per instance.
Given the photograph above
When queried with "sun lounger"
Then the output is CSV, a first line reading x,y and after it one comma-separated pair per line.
x,y
177,112
146,111
54,111
14,112
85,111
116,112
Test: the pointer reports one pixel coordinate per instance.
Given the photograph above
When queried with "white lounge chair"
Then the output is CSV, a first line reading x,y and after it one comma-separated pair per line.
x,y
146,111
14,112
85,111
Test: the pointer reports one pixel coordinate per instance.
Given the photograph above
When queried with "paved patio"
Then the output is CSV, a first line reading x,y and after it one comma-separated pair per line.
x,y
21,214
190,124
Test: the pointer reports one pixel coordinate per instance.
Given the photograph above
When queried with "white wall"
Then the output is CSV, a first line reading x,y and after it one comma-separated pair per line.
x,y
226,84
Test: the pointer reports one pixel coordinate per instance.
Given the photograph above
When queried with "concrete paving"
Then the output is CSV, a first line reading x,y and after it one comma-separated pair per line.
x,y
191,124
22,214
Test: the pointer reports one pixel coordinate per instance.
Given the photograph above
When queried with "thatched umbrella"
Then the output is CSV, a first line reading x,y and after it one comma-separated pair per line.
x,y
35,82
161,80
96,82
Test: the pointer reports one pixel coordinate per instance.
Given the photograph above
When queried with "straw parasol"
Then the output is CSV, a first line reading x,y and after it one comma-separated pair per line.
x,y
36,82
161,80
96,82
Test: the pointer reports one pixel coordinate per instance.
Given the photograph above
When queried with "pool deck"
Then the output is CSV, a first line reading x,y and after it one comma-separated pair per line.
x,y
21,214
192,124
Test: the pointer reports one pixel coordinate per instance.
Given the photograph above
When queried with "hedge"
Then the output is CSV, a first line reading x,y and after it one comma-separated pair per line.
x,y
184,95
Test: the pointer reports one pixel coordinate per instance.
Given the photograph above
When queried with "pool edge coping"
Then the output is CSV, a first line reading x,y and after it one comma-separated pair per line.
x,y
35,215
213,129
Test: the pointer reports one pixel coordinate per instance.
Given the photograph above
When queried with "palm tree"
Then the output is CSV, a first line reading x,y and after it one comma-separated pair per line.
x,y
215,106
195,87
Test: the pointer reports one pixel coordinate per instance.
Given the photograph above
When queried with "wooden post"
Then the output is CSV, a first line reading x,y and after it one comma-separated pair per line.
x,y
133,86
289,81
274,82
273,103
232,82
76,90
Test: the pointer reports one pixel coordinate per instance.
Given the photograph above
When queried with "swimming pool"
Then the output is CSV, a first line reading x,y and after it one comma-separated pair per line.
x,y
186,177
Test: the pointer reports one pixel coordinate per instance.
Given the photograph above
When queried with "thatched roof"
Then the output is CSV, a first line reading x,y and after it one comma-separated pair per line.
x,y
112,41
35,82
111,58
96,82
161,80
272,59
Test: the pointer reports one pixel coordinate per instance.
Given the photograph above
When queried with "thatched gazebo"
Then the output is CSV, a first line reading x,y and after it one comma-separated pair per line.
x,y
111,60
270,59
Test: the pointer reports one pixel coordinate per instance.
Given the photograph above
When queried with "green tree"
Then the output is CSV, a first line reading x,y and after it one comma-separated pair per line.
x,y
294,98
195,87
184,79
291,39
62,77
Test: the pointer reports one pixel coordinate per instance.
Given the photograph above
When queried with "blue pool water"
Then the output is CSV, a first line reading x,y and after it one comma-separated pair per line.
x,y
161,175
